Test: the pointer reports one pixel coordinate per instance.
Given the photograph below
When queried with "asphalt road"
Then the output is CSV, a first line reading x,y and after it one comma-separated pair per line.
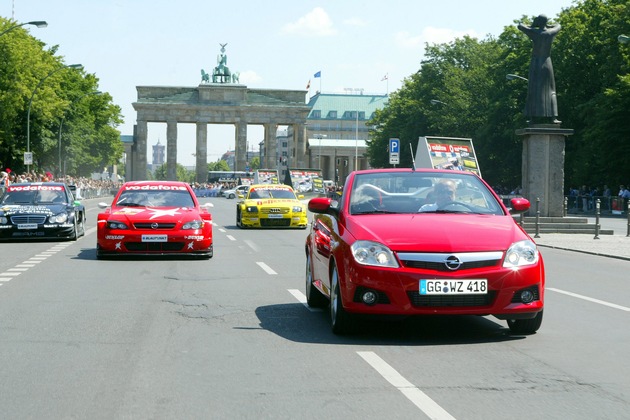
x,y
230,338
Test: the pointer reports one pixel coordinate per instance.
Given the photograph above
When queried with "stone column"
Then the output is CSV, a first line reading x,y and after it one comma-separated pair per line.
x,y
271,147
543,167
201,153
241,146
140,165
299,139
171,150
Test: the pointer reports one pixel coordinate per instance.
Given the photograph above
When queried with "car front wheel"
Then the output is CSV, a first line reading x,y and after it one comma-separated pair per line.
x,y
341,321
525,326
314,297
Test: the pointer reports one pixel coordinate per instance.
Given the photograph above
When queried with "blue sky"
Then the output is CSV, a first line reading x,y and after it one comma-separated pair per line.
x,y
279,44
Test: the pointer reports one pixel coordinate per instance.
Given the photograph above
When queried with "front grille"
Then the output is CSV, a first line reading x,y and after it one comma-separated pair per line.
x,y
437,301
275,222
274,210
154,246
28,218
160,226
440,266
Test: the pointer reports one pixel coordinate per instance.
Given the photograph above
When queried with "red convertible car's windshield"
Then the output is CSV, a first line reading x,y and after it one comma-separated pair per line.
x,y
421,192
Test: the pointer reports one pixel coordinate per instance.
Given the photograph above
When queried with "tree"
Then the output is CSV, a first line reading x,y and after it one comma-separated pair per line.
x,y
219,165
181,173
66,120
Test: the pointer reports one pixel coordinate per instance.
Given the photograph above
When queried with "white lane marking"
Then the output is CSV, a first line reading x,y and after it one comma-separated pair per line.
x,y
252,245
222,230
301,297
601,302
230,237
16,269
415,395
265,267
32,261
7,274
6,278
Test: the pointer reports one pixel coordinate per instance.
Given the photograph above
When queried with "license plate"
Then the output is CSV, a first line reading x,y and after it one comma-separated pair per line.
x,y
27,226
275,216
454,287
154,238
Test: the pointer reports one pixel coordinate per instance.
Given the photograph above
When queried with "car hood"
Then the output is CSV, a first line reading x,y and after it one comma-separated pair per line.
x,y
437,232
48,209
264,202
154,213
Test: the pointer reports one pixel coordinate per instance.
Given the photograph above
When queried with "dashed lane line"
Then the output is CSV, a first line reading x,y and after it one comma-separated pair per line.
x,y
409,390
601,302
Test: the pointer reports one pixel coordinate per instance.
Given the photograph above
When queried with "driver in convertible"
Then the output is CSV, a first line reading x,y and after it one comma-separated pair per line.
x,y
443,193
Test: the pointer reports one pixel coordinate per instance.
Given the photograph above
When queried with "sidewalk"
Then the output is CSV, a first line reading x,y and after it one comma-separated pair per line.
x,y
614,246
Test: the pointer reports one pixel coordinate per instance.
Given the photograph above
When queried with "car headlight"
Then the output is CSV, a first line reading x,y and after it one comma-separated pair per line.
x,y
251,209
113,224
373,253
298,209
521,254
3,220
58,218
195,224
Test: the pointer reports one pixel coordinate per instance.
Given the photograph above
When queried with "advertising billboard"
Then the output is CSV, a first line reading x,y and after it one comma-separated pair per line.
x,y
447,153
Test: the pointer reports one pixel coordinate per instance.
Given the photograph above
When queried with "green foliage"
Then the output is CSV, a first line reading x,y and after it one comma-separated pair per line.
x,y
182,174
219,165
466,79
49,109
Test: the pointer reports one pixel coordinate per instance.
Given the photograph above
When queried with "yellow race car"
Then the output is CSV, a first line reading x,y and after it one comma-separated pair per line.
x,y
271,205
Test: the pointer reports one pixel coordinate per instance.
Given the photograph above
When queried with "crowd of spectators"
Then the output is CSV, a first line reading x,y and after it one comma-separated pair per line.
x,y
85,187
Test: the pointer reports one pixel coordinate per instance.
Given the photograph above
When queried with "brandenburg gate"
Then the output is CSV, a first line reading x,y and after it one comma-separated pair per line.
x,y
217,102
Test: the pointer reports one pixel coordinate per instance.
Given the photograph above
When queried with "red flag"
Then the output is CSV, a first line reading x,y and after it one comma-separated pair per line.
x,y
308,85
385,77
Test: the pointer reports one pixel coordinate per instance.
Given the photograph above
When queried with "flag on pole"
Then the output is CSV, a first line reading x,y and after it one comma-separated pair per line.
x,y
318,74
385,77
308,85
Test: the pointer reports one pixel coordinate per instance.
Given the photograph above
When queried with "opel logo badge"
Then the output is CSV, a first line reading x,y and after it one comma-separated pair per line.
x,y
154,225
452,262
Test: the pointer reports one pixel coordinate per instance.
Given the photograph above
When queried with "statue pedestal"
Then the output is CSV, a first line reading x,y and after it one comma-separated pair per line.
x,y
543,167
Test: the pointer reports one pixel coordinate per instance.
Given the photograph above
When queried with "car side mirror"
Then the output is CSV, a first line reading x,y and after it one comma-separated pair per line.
x,y
518,205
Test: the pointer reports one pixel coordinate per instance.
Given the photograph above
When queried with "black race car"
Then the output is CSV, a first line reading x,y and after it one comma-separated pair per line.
x,y
41,210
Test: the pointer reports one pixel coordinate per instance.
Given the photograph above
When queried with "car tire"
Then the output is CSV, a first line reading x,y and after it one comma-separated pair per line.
x,y
526,326
75,231
82,225
232,196
314,298
341,321
239,223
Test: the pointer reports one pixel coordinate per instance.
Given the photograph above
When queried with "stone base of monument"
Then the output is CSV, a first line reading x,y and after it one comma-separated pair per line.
x,y
543,168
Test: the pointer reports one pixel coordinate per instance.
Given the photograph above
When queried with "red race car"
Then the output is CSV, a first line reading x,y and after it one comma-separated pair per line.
x,y
422,242
154,218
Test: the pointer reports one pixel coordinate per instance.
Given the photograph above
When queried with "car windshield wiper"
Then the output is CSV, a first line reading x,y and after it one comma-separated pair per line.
x,y
375,212
130,204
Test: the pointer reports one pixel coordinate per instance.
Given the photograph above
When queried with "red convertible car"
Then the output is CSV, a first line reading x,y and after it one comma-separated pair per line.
x,y
154,218
422,242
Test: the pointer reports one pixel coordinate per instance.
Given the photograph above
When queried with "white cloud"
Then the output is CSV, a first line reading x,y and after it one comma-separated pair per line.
x,y
249,77
430,35
355,21
315,23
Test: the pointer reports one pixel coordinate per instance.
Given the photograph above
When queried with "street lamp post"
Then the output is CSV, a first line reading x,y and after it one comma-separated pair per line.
x,y
30,102
514,76
319,149
96,92
356,142
38,23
